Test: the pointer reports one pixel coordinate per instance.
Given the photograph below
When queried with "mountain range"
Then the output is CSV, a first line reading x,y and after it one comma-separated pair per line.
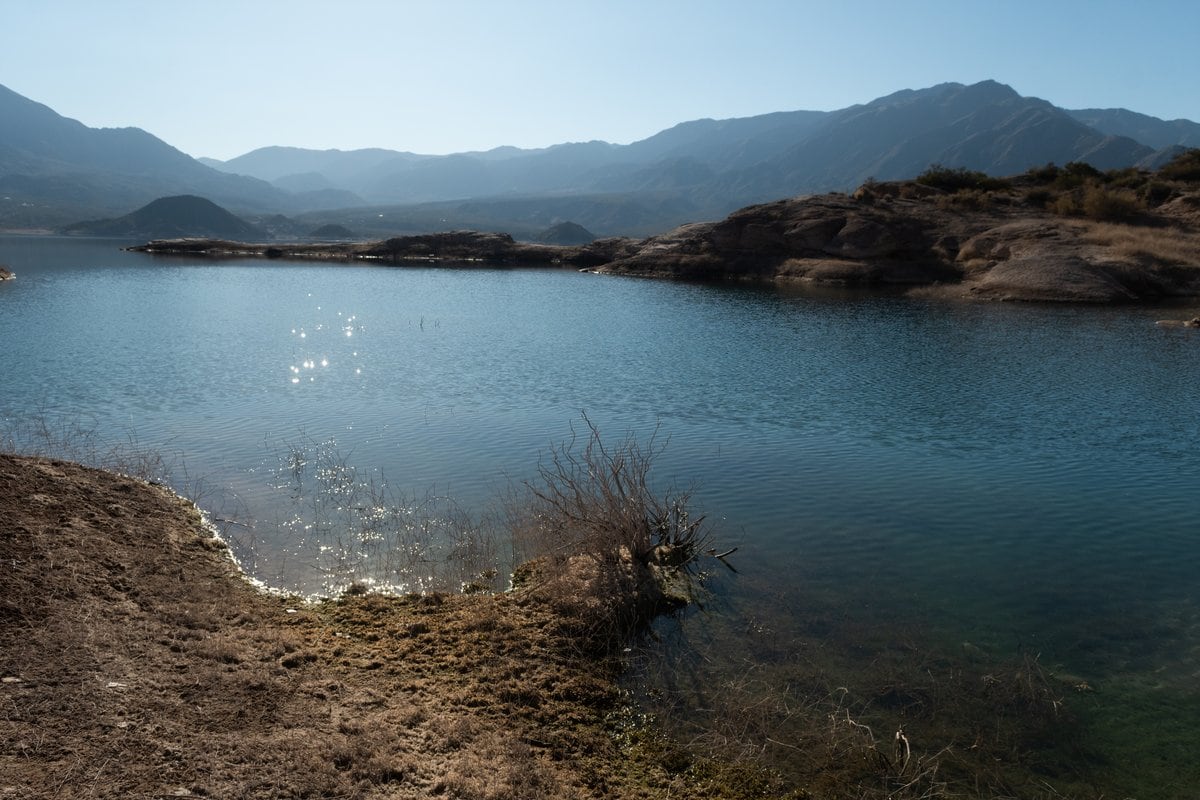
x,y
55,171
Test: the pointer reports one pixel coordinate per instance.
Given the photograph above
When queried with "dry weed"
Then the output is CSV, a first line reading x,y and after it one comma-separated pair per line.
x,y
595,539
1170,246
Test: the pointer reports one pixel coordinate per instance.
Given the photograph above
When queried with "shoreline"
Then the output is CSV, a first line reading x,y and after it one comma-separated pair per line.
x,y
905,235
138,660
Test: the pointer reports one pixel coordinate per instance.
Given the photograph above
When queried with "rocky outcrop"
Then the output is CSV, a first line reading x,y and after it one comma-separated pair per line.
x,y
909,235
827,238
1046,260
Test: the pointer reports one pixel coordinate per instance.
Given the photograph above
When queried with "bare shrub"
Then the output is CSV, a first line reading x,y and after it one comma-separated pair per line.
x,y
596,500
956,179
1101,203
1098,202
1067,204
597,539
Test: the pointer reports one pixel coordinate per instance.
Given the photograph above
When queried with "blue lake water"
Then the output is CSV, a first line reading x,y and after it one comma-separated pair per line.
x,y
1007,479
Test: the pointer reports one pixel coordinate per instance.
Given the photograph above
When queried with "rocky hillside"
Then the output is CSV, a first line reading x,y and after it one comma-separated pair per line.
x,y
1070,234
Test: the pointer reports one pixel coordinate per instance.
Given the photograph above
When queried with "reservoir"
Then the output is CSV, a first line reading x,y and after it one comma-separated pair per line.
x,y
924,495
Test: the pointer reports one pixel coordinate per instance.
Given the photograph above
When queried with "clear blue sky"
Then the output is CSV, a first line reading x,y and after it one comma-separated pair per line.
x,y
222,77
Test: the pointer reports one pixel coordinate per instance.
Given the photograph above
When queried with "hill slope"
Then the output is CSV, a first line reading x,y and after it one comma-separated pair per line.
x,y
54,169
181,216
1152,131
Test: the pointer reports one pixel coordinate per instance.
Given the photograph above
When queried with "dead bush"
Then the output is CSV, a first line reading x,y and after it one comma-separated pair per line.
x,y
596,538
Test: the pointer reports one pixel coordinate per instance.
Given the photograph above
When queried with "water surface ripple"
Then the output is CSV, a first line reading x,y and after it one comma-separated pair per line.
x,y
1009,474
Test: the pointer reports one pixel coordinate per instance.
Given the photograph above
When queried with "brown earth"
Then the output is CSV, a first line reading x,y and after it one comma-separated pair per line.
x,y
137,662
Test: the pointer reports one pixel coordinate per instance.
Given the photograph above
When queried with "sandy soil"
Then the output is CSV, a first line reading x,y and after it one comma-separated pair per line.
x,y
136,662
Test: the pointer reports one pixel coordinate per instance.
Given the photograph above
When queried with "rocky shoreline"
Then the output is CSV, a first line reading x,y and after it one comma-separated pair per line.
x,y
993,246
459,248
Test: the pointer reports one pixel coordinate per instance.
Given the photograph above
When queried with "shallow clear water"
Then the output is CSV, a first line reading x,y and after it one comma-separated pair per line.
x,y
1022,478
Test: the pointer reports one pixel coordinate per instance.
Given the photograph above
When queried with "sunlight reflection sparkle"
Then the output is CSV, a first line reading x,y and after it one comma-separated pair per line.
x,y
303,359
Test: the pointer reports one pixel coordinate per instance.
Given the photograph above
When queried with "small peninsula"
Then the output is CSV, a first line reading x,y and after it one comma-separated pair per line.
x,y
1065,234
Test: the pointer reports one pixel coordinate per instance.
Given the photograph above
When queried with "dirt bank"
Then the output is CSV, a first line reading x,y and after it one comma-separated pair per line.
x,y
138,663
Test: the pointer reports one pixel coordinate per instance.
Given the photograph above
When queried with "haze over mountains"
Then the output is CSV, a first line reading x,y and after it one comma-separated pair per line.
x,y
55,171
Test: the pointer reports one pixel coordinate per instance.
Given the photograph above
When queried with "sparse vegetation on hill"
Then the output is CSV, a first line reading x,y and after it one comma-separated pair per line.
x,y
1184,167
1080,190
959,179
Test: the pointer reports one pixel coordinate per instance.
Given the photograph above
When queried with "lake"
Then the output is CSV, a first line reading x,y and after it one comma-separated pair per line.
x,y
932,502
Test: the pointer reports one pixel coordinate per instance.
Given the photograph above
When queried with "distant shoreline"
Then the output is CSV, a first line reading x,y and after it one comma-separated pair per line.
x,y
458,247
994,244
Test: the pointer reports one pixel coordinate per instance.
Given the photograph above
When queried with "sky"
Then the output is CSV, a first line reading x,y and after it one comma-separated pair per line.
x,y
220,78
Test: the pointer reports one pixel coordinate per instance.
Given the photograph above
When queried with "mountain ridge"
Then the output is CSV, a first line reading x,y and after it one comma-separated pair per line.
x,y
986,126
54,170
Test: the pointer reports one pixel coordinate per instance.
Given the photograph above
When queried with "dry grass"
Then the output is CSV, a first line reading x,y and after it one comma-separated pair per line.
x,y
137,663
1169,246
143,666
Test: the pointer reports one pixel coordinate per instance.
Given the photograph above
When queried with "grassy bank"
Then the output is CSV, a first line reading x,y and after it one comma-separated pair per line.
x,y
138,662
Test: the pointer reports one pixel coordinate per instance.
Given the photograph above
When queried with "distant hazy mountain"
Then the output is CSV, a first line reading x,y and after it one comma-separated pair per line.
x,y
173,217
986,126
1152,131
55,170
714,166
58,168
